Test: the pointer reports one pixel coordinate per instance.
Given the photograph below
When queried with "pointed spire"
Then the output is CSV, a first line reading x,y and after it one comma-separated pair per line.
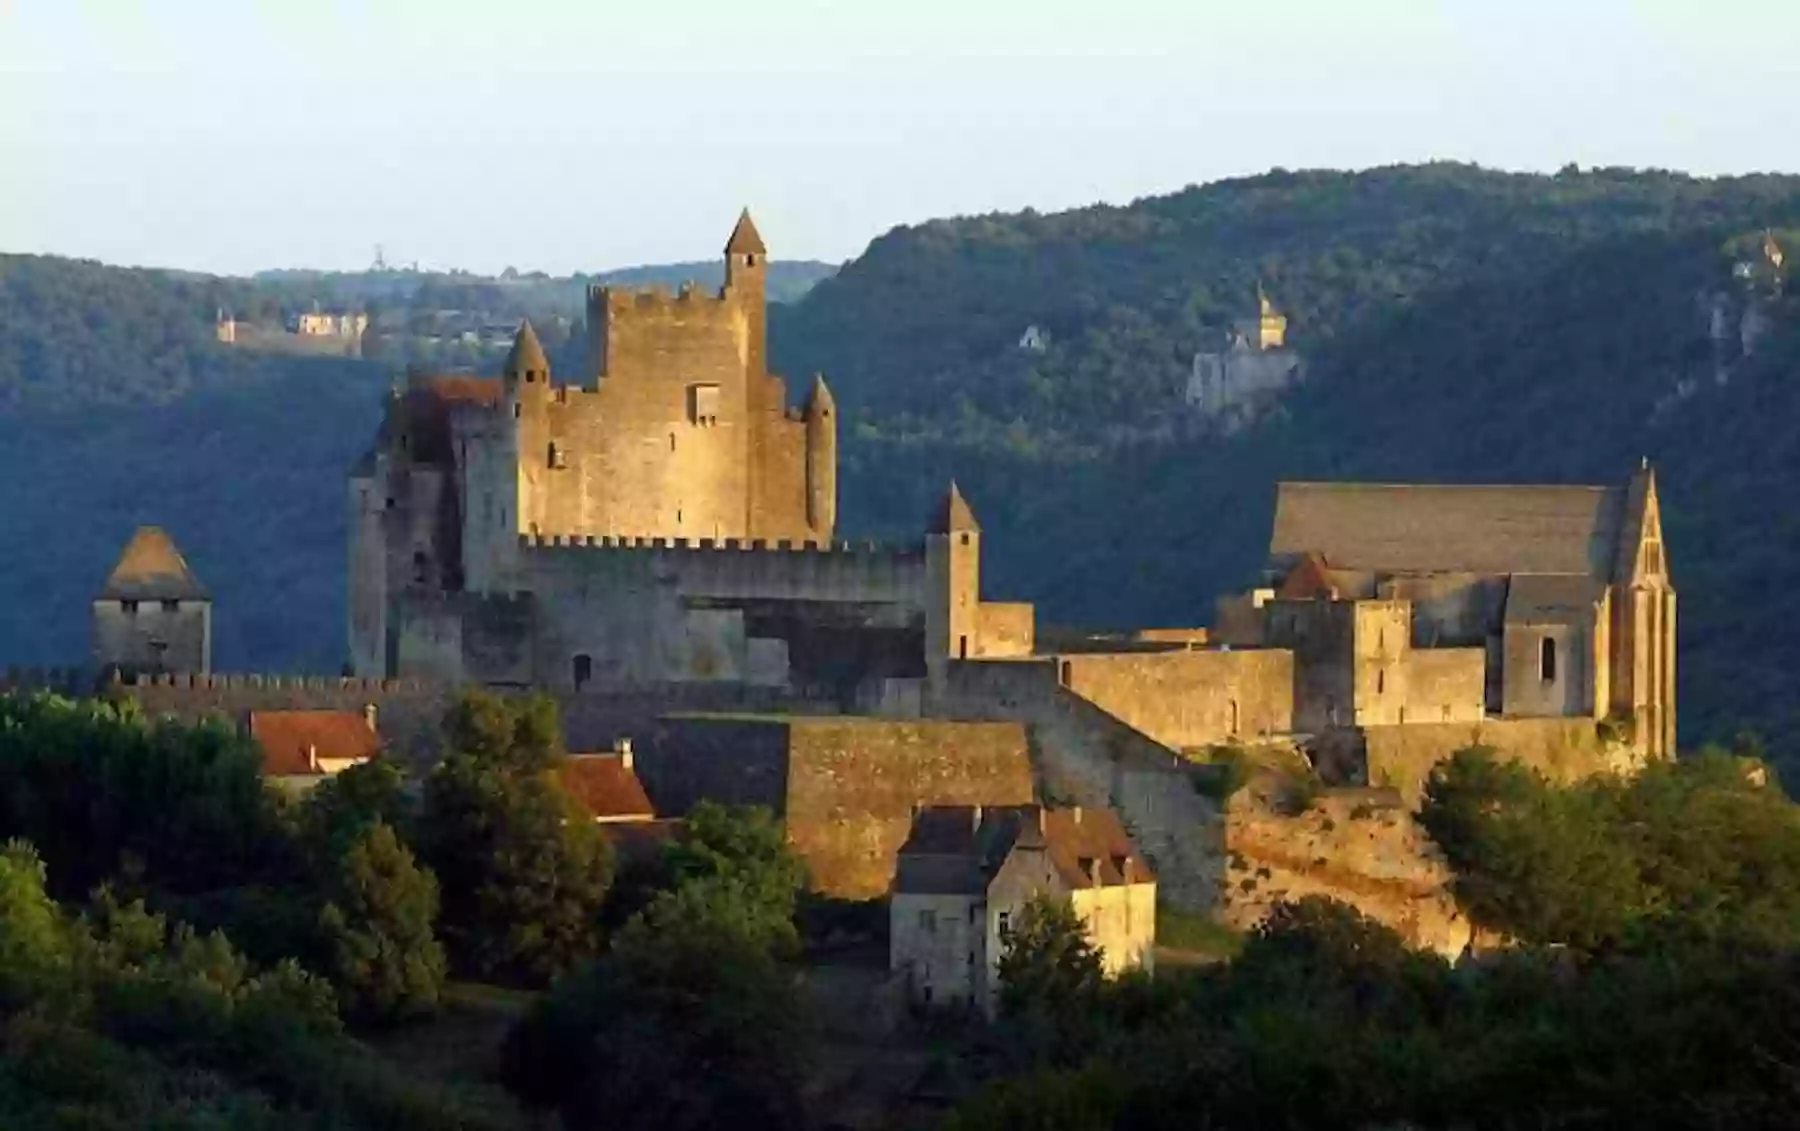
x,y
152,569
820,401
745,240
527,354
953,515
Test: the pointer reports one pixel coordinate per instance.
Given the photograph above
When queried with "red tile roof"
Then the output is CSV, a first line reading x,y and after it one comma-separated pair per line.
x,y
291,740
959,849
607,787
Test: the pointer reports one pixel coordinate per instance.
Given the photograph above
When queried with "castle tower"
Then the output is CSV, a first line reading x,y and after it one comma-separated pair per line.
x,y
821,460
153,615
953,585
1271,329
526,382
746,276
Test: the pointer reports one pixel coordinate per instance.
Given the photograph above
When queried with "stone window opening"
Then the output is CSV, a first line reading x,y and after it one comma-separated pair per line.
x,y
129,608
928,922
556,456
421,566
583,670
1380,681
171,606
1547,659
517,411
1005,923
1068,671
962,647
671,441
1234,716
965,539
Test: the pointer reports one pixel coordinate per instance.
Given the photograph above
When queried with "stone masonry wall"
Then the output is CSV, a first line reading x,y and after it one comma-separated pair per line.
x,y
1187,699
845,787
1564,749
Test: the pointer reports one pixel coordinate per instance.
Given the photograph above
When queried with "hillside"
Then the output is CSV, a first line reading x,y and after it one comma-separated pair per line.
x,y
1458,324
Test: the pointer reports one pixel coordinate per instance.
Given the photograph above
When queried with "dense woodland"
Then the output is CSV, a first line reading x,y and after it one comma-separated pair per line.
x,y
1458,324
182,948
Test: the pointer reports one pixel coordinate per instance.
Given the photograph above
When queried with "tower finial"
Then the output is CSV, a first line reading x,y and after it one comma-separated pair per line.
x,y
954,515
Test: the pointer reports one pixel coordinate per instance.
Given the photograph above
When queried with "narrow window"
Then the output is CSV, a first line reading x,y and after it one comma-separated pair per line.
x,y
171,606
129,608
1234,716
1547,660
965,539
1068,670
515,412
1005,921
962,647
1380,680
584,670
928,922
671,441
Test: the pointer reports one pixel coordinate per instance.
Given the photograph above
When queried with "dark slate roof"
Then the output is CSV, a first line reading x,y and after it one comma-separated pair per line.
x,y
152,569
745,239
1551,598
958,849
1405,528
953,515
527,353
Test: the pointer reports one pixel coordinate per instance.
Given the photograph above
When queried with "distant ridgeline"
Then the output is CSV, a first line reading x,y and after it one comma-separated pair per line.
x,y
1457,325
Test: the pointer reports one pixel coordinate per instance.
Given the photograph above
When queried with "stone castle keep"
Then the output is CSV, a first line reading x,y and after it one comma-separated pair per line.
x,y
655,546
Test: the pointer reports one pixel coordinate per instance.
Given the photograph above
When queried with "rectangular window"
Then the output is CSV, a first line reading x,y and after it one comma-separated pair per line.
x,y
703,404
928,922
129,608
1005,921
171,606
1547,660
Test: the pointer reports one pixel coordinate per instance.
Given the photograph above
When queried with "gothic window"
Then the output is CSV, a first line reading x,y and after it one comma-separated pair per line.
x,y
1547,659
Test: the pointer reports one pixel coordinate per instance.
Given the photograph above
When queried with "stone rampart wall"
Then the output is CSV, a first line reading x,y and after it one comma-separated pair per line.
x,y
1564,749
1185,699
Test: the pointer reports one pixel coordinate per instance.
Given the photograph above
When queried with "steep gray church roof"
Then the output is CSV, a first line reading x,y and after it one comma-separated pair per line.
x,y
1552,598
152,569
1407,528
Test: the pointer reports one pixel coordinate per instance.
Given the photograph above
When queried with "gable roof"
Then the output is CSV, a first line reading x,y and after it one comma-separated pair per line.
x,y
958,849
745,239
1407,528
607,786
292,741
152,569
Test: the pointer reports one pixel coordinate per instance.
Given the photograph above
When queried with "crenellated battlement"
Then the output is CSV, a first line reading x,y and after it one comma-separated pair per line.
x,y
689,299
866,549
85,681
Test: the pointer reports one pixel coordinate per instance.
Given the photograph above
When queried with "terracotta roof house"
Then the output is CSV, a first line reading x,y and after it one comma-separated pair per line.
x,y
302,748
607,785
965,873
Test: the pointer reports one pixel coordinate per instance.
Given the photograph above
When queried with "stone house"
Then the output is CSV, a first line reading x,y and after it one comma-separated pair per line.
x,y
965,874
152,616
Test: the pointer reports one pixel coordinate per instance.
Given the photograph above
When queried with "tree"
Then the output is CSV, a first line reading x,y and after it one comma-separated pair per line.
x,y
739,860
1047,962
34,949
385,959
688,1022
522,869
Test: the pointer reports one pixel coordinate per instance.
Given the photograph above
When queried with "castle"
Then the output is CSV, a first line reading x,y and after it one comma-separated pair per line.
x,y
1232,386
670,519
656,548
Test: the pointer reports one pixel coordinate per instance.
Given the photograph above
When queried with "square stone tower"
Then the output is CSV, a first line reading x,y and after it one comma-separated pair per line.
x,y
153,615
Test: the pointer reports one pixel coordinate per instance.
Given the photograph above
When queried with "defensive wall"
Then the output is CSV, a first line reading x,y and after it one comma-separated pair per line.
x,y
846,788
1564,749
1188,699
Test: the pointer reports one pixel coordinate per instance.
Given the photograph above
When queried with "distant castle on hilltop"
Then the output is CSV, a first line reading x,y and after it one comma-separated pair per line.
x,y
1231,387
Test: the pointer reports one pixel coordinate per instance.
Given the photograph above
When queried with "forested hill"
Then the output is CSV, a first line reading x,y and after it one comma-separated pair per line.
x,y
921,332
1458,324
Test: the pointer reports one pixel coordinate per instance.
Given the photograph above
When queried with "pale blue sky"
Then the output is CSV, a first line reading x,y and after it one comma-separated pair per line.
x,y
231,135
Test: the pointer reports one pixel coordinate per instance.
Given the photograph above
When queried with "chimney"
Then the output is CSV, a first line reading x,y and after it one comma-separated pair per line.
x,y
1040,820
974,819
1094,870
369,715
1078,814
1125,868
622,747
312,757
